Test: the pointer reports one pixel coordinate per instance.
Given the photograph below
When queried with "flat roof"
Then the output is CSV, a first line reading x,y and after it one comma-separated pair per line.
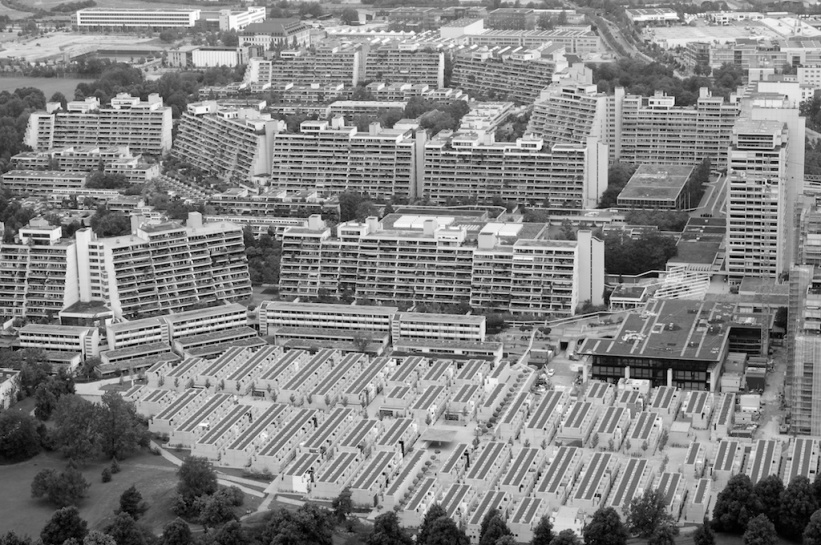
x,y
696,251
204,312
670,329
329,308
656,182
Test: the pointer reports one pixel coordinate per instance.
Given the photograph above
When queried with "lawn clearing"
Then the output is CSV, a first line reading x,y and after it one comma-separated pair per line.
x,y
154,476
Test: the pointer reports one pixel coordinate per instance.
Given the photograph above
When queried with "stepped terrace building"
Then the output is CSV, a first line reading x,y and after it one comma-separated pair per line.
x,y
519,73
160,267
334,158
442,257
41,183
142,126
576,40
330,62
231,143
399,62
473,166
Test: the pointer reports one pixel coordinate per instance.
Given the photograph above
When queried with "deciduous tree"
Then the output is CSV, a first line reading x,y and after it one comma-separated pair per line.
x,y
64,524
131,503
646,513
493,527
704,534
20,436
77,427
605,528
197,478
566,537
769,491
120,431
760,531
434,512
735,505
543,533
176,532
444,531
386,531
797,506
61,489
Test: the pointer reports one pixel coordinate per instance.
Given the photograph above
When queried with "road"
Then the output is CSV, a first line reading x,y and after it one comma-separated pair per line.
x,y
714,199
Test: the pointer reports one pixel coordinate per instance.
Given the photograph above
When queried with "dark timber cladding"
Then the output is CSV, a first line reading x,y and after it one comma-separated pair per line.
x,y
281,364
520,466
696,402
327,428
802,457
310,368
455,495
492,500
484,462
395,432
667,486
176,406
643,426
259,426
701,491
593,474
544,410
338,467
763,459
428,485
526,511
725,455
454,458
376,467
690,338
629,482
557,470
359,433
233,417
204,412
515,407
410,466
692,454
663,397
290,430
611,419
577,414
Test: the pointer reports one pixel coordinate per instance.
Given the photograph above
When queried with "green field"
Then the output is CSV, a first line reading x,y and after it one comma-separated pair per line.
x,y
154,476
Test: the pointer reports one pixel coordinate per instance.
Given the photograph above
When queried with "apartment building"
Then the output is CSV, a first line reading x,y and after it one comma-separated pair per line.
x,y
446,259
82,159
41,183
230,19
405,62
164,267
300,204
61,338
756,198
272,33
571,110
131,18
518,73
142,126
333,158
37,272
473,166
655,130
581,41
231,143
329,62
804,350
352,108
512,18
161,267
637,129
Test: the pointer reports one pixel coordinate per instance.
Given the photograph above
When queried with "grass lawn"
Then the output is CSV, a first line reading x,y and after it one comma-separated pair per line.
x,y
154,476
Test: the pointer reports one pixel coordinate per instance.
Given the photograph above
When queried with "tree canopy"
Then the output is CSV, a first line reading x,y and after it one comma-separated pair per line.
x,y
605,528
60,489
20,436
735,505
625,255
798,503
64,524
760,531
646,513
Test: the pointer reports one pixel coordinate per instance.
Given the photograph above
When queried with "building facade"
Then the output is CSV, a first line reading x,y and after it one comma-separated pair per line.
x,y
130,18
430,258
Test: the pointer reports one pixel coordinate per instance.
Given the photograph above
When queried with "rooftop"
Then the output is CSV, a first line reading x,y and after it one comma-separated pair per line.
x,y
656,182
670,329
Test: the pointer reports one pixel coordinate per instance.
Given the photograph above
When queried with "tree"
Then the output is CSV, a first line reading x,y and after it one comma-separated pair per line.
x,y
131,503
493,527
308,524
605,528
215,510
704,534
120,431
64,524
342,505
797,506
543,533
628,256
665,534
444,531
102,180
566,537
735,505
646,513
13,539
349,16
361,340
20,436
76,427
125,531
231,534
98,538
197,478
760,531
61,489
176,532
812,533
61,98
386,531
770,491
434,512
617,177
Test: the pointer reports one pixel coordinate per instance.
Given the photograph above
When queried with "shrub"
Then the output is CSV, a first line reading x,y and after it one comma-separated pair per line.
x,y
115,466
106,475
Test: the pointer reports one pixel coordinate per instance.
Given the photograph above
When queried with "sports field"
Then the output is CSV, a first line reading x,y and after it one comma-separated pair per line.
x,y
57,43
